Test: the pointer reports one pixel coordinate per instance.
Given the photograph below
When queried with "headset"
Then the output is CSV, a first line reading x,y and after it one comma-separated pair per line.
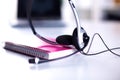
x,y
79,38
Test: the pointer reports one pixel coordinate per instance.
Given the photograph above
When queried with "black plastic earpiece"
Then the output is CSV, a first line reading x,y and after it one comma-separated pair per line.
x,y
75,40
64,40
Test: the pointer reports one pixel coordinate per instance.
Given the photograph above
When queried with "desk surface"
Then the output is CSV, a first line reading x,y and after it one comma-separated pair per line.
x,y
104,66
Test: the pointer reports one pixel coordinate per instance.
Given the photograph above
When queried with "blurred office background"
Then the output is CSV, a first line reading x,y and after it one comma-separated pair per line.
x,y
91,13
88,9
99,9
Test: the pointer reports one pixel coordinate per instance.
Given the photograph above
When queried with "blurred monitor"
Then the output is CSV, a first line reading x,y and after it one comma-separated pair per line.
x,y
41,10
112,15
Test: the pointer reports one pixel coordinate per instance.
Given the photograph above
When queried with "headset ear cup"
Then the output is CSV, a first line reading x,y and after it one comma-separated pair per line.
x,y
75,40
64,40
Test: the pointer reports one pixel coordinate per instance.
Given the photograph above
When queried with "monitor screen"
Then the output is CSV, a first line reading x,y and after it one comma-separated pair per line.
x,y
41,9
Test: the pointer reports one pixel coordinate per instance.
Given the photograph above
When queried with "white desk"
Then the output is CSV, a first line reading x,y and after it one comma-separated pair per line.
x,y
77,67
